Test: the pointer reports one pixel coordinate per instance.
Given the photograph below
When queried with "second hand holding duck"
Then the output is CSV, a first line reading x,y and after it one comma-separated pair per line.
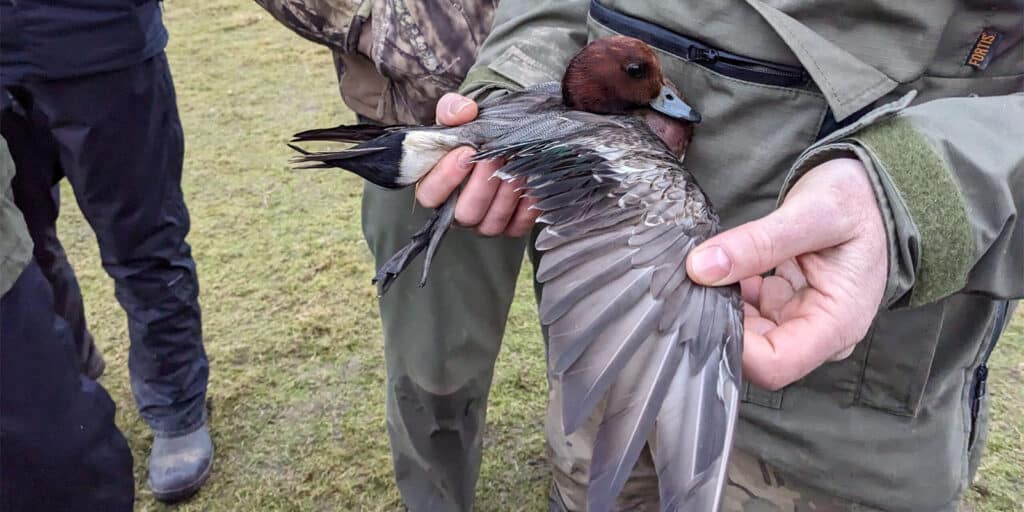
x,y
486,203
827,245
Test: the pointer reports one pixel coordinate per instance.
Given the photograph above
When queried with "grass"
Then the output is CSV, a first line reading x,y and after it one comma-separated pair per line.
x,y
290,319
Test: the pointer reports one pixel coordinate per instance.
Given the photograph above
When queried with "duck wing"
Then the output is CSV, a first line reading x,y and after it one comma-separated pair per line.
x,y
625,323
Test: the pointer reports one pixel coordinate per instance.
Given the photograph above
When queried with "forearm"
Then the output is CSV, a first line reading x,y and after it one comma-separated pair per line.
x,y
325,22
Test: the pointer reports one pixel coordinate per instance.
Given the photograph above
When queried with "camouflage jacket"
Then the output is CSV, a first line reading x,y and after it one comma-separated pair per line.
x,y
394,58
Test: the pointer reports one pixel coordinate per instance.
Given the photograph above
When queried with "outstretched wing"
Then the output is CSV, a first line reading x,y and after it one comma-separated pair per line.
x,y
625,322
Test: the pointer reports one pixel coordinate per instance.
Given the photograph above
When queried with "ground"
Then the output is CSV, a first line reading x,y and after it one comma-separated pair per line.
x,y
290,320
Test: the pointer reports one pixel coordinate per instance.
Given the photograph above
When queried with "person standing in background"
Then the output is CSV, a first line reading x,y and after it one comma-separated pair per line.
x,y
61,449
93,101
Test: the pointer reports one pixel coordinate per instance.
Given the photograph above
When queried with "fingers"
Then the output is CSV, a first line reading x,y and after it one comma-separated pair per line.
x,y
524,218
454,109
753,321
776,292
750,289
824,209
826,244
810,331
486,202
759,246
478,195
506,200
778,356
442,180
790,271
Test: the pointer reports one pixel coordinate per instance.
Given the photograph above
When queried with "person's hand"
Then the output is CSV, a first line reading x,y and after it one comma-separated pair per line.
x,y
489,205
828,247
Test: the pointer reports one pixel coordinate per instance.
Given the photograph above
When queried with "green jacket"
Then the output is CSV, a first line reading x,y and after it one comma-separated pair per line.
x,y
15,243
900,423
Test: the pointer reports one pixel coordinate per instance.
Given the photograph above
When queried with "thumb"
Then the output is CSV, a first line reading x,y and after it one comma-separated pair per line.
x,y
455,109
763,244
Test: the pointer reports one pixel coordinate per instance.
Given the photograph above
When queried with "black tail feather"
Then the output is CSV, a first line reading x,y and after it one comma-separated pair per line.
x,y
377,160
346,133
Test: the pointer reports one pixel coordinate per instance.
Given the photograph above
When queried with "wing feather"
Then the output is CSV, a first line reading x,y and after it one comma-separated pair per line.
x,y
568,338
625,323
633,404
590,376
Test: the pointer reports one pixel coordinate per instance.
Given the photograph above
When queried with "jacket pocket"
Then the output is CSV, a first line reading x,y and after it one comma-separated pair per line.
x,y
898,359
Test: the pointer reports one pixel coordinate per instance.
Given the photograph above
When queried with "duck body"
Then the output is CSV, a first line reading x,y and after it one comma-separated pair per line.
x,y
625,323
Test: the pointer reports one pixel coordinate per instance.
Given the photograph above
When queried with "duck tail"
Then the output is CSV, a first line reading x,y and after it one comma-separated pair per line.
x,y
346,133
389,156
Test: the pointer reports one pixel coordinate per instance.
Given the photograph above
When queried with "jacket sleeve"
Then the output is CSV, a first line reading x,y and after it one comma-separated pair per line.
x,y
325,22
530,42
949,178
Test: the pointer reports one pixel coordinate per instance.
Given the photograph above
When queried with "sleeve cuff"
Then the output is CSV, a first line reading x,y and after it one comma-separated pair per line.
x,y
482,83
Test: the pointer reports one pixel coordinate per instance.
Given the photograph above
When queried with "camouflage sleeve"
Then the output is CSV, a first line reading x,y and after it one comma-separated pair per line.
x,y
949,177
325,22
530,42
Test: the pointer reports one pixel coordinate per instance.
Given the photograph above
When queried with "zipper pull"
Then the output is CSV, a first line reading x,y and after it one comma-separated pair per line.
x,y
702,54
980,376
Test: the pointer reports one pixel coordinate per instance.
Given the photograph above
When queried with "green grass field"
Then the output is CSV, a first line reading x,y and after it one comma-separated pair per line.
x,y
290,318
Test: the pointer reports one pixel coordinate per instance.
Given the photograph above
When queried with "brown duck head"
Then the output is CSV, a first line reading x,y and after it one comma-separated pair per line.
x,y
622,75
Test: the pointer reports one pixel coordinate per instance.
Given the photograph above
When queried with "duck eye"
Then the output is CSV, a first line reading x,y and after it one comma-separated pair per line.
x,y
636,70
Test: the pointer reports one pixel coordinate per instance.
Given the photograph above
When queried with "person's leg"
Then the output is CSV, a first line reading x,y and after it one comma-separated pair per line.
x,y
37,194
121,147
570,457
440,345
61,447
754,485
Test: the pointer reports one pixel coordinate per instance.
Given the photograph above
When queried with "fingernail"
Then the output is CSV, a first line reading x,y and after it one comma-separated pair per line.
x,y
464,161
712,264
458,106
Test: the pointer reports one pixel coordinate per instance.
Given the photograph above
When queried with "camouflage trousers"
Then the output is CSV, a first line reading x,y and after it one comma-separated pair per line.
x,y
441,342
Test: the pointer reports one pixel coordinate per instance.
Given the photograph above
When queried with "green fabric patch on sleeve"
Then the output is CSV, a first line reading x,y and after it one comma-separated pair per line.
x,y
926,186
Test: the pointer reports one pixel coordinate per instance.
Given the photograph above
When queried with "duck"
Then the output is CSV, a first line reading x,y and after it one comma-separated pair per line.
x,y
601,152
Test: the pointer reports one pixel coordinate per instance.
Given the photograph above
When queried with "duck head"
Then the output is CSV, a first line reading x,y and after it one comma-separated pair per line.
x,y
619,75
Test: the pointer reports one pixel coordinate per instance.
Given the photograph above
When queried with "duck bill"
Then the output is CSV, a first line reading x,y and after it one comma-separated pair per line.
x,y
668,103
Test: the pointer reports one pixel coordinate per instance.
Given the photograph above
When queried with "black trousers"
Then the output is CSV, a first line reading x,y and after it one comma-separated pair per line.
x,y
59,446
118,140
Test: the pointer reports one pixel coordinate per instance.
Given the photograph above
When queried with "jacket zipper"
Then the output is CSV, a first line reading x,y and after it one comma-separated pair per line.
x,y
724,63
981,372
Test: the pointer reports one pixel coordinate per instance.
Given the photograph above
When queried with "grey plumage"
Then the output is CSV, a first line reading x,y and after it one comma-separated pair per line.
x,y
625,322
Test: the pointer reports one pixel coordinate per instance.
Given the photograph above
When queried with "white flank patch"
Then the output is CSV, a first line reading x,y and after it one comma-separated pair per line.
x,y
420,152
